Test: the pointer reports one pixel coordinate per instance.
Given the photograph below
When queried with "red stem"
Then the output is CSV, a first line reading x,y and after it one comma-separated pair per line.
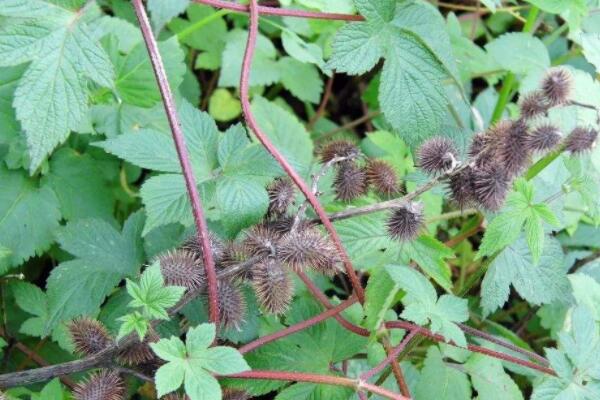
x,y
281,11
471,347
320,379
262,137
486,336
323,104
325,302
391,356
182,153
297,327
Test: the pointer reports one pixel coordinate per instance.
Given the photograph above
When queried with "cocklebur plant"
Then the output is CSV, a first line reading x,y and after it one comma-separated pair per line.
x,y
216,171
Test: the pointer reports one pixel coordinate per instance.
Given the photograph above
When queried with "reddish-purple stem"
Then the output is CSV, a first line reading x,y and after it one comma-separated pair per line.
x,y
262,137
471,347
184,159
297,327
391,356
282,12
320,379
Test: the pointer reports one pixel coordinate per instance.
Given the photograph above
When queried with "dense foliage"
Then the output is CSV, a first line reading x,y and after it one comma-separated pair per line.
x,y
402,199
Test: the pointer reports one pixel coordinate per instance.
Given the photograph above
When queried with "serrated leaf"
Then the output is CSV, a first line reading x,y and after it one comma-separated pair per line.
x,y
52,96
301,79
520,53
591,48
490,380
242,202
302,51
104,257
541,283
29,215
134,322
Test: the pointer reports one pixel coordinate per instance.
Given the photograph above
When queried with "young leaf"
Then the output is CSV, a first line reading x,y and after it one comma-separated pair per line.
x,y
52,96
422,305
133,322
151,294
192,364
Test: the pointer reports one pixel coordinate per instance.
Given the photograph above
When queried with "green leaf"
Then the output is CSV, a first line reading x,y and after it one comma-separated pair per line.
x,y
52,391
29,215
450,383
379,297
490,380
135,82
591,48
520,53
301,79
586,291
52,96
541,283
242,202
80,186
286,132
304,52
103,257
151,295
264,70
417,56
501,232
31,299
161,12
134,322
192,362
422,305
222,106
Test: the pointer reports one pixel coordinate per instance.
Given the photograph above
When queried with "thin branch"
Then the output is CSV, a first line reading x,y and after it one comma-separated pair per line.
x,y
264,10
471,347
182,153
390,358
262,137
297,327
323,104
357,385
350,124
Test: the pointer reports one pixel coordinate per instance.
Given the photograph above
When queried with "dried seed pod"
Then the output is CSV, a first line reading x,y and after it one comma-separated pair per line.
x,y
556,86
338,148
490,185
273,286
281,195
437,155
478,144
350,182
461,187
383,177
544,137
405,222
581,139
261,240
193,245
89,336
309,248
533,105
232,304
233,394
182,268
512,151
234,255
138,352
102,385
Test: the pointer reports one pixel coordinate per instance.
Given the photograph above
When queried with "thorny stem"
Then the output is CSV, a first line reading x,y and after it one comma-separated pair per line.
x,y
182,154
262,137
321,379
